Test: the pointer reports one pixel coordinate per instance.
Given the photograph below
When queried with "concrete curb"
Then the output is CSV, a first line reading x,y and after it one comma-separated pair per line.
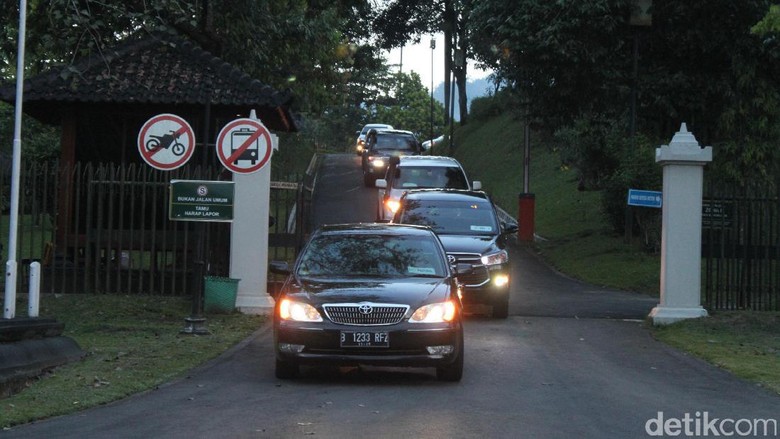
x,y
26,359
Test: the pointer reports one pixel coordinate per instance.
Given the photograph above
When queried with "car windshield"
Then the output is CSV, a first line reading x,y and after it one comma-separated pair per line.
x,y
365,255
451,217
392,143
407,177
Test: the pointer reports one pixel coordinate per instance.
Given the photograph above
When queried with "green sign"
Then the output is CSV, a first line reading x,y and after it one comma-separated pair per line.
x,y
195,200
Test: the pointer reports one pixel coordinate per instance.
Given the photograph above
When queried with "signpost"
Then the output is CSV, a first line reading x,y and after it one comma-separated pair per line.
x,y
244,146
166,142
643,198
717,214
196,200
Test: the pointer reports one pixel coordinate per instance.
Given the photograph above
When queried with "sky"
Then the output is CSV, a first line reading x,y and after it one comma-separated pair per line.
x,y
417,58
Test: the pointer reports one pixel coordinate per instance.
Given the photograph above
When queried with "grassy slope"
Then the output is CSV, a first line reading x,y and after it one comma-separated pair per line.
x,y
580,244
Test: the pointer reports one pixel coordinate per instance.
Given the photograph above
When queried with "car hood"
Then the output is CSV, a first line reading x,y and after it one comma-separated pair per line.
x,y
469,244
412,291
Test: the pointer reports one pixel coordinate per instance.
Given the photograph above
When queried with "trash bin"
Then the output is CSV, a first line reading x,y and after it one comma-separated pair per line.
x,y
220,294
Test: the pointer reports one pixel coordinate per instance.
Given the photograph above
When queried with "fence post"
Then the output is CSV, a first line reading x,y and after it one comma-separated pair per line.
x,y
683,179
34,290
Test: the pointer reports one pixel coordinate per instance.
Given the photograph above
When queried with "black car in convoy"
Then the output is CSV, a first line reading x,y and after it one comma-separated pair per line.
x,y
382,145
468,226
360,142
377,294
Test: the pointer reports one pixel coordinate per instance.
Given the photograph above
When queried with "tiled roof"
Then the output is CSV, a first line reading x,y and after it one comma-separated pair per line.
x,y
158,69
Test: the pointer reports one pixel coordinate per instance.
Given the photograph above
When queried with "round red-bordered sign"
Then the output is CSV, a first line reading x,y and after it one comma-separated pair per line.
x,y
166,142
244,146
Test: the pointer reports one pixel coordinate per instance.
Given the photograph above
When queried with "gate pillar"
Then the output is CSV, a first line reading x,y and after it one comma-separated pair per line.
x,y
683,162
249,237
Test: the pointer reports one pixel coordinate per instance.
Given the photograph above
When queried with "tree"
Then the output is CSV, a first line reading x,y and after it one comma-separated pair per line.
x,y
408,106
770,24
316,48
563,58
303,44
402,21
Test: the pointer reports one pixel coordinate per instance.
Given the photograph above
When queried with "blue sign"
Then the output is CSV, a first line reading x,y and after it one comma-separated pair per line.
x,y
641,198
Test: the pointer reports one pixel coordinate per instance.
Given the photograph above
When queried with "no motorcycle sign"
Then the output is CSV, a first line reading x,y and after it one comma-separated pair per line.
x,y
166,142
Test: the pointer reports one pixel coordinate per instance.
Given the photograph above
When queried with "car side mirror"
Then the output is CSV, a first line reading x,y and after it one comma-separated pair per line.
x,y
381,183
357,133
509,228
476,185
279,267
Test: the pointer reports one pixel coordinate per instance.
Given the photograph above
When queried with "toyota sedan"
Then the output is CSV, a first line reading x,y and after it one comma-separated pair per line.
x,y
373,294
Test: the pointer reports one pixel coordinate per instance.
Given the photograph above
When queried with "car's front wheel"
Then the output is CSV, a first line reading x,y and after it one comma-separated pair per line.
x,y
368,180
286,369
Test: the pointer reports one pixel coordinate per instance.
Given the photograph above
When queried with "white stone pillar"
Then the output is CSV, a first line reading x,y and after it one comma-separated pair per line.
x,y
683,181
249,237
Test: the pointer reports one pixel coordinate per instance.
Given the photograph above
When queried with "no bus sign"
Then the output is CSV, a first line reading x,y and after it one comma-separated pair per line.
x,y
244,146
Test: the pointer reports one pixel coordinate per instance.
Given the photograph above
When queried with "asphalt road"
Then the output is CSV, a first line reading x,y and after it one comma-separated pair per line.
x,y
572,360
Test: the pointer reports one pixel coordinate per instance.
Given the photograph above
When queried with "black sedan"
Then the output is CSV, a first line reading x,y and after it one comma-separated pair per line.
x,y
375,294
468,226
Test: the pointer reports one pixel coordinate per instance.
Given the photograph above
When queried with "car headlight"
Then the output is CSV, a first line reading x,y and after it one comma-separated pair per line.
x,y
377,163
393,205
297,311
435,313
496,258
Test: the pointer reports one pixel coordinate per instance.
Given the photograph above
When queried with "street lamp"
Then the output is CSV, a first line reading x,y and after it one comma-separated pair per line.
x,y
640,17
433,46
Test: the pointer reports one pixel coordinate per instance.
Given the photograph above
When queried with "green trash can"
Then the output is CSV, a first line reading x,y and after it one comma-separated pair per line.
x,y
220,294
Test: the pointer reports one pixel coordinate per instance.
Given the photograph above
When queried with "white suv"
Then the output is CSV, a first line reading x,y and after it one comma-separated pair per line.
x,y
418,172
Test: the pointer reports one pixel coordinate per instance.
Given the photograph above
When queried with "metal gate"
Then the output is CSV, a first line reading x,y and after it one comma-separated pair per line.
x,y
104,228
741,247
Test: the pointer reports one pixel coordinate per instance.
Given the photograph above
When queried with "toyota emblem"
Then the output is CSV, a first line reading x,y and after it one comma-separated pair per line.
x,y
451,259
366,309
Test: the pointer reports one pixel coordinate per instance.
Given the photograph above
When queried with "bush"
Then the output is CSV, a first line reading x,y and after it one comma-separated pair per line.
x,y
486,107
606,159
593,145
637,170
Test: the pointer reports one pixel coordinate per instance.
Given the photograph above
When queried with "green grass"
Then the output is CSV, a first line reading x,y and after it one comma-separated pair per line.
x,y
744,343
132,344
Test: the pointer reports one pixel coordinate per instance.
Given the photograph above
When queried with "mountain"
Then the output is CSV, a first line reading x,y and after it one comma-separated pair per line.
x,y
474,89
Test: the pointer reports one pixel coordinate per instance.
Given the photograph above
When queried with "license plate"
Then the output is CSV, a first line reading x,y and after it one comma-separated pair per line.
x,y
351,339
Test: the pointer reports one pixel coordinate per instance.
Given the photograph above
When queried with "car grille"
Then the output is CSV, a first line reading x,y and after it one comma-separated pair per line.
x,y
365,314
479,275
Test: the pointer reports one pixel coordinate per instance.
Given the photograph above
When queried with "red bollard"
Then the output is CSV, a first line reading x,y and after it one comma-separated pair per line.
x,y
525,217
